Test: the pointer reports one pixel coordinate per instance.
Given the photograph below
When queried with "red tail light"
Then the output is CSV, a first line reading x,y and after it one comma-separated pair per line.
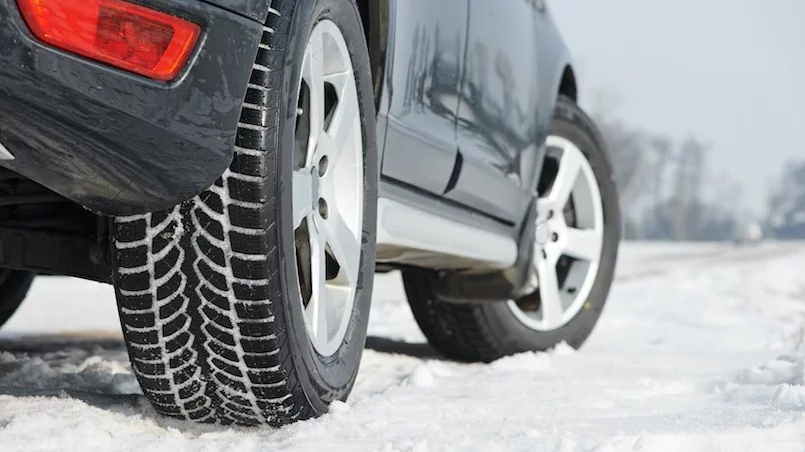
x,y
122,34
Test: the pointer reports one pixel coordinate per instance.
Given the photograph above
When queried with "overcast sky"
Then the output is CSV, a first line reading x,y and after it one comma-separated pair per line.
x,y
732,72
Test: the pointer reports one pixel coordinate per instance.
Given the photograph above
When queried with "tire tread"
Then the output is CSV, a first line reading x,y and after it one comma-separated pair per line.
x,y
198,312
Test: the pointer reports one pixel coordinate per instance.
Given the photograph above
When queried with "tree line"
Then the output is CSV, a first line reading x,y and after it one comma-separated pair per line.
x,y
669,191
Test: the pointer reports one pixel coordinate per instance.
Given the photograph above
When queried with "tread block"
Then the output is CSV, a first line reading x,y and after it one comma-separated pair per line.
x,y
219,334
178,342
251,270
224,352
140,320
213,227
230,382
170,287
254,330
249,165
143,337
217,318
248,191
194,403
259,347
227,368
249,218
250,138
185,356
130,231
162,267
211,252
211,297
252,292
249,243
252,312
157,218
256,96
213,201
155,384
189,390
170,308
180,323
134,282
214,278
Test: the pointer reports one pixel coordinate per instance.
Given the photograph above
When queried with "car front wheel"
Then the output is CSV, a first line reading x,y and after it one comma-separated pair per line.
x,y
249,303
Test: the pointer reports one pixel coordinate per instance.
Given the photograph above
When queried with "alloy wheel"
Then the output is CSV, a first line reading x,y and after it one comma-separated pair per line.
x,y
569,239
328,188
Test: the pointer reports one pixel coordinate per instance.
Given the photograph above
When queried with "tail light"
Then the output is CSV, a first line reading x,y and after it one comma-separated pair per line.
x,y
128,36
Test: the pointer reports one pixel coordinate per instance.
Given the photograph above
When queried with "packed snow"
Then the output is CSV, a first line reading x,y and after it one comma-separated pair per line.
x,y
700,349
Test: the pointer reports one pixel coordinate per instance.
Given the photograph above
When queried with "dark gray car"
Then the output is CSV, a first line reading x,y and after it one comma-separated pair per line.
x,y
240,169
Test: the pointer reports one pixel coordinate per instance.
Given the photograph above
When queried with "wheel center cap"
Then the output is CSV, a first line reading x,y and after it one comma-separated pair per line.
x,y
542,233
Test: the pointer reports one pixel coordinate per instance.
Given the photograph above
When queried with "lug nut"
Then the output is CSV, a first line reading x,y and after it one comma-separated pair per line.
x,y
554,236
323,210
323,166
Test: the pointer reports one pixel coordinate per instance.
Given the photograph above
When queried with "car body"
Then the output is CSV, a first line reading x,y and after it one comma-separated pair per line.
x,y
104,131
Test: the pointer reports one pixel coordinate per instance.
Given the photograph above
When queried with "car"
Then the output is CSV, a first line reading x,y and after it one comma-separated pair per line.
x,y
240,170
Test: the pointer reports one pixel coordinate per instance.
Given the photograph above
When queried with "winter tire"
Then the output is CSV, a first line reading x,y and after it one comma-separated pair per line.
x,y
577,237
249,303
14,286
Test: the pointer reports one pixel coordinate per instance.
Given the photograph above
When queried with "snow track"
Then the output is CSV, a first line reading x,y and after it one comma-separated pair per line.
x,y
700,349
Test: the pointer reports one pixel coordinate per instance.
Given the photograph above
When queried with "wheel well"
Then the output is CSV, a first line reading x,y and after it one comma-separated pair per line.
x,y
567,87
375,18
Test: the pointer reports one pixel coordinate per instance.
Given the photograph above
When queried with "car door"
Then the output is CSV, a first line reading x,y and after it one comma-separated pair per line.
x,y
500,119
426,53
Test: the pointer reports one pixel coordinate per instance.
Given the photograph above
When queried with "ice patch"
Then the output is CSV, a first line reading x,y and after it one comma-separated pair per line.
x,y
71,369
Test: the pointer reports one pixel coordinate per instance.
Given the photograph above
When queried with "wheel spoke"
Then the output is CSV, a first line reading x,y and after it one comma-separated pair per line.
x,y
344,120
569,169
550,299
302,196
345,246
317,307
583,244
313,75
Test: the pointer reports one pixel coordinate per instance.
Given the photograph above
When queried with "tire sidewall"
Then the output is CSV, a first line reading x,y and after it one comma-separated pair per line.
x,y
326,379
570,123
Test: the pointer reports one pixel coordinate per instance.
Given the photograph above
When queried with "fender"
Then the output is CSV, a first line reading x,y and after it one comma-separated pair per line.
x,y
253,9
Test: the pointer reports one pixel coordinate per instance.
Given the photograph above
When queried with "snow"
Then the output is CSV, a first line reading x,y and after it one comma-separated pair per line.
x,y
701,348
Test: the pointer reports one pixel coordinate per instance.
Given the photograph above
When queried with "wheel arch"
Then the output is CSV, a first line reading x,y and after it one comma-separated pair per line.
x,y
567,84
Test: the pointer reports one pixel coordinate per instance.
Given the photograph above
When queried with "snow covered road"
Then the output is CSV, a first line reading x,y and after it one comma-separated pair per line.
x,y
700,349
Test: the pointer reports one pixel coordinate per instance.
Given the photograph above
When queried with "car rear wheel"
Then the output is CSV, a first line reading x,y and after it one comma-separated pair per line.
x,y
249,303
577,235
14,286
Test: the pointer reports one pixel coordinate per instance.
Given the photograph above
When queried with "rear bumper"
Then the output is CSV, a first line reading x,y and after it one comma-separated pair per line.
x,y
115,142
